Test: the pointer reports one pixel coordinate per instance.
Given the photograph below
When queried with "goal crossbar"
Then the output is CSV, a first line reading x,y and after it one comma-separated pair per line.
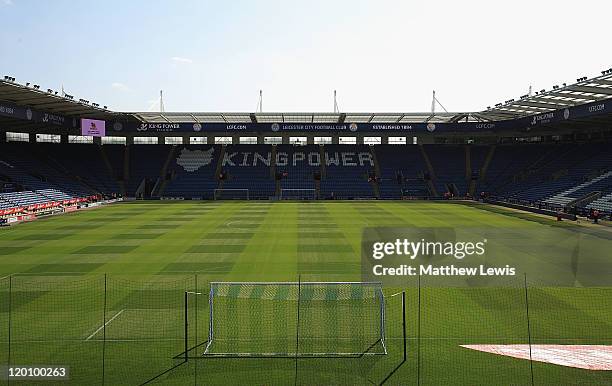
x,y
297,194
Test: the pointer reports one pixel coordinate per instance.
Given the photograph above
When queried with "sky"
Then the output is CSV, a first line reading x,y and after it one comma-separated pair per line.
x,y
380,55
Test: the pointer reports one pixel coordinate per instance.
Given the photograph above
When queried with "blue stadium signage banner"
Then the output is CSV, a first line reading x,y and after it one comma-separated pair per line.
x,y
11,110
344,128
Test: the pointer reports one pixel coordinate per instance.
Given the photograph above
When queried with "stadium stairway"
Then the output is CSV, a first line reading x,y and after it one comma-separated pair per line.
x,y
401,171
113,157
480,159
144,162
432,175
323,169
375,182
468,162
162,181
448,167
277,183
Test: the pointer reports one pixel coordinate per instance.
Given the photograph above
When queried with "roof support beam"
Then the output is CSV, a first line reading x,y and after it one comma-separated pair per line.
x,y
591,89
535,103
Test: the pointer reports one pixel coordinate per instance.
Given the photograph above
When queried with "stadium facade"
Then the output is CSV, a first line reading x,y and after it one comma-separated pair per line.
x,y
549,150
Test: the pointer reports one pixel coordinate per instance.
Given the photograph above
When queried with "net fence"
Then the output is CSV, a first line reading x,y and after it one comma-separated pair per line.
x,y
121,329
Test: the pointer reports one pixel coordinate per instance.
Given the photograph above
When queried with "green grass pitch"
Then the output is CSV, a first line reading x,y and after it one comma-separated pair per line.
x,y
53,286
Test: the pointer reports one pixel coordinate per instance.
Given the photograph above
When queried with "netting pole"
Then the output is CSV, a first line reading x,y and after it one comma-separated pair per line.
x,y
297,330
186,336
384,381
528,329
210,317
195,371
104,333
419,329
404,322
10,306
382,319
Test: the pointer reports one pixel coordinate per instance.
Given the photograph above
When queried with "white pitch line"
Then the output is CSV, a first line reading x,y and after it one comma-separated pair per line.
x,y
104,325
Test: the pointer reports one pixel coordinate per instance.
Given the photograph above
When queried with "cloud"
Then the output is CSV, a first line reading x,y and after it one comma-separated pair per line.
x,y
119,86
7,2
178,59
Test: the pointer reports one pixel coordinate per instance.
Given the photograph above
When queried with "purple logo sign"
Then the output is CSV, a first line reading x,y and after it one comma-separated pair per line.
x,y
93,127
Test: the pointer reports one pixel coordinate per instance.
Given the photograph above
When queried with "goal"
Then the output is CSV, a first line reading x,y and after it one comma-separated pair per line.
x,y
298,194
231,194
296,319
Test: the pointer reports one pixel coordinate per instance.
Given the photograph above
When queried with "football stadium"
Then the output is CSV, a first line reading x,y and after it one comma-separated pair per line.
x,y
266,247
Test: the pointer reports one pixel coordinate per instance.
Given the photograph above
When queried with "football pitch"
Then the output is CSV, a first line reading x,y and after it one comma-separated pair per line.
x,y
103,291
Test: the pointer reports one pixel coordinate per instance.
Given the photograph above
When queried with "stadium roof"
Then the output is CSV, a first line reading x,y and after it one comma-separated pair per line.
x,y
169,117
582,92
49,101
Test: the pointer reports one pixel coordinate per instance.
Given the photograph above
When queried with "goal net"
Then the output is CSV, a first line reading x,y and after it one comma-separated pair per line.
x,y
290,319
298,194
231,194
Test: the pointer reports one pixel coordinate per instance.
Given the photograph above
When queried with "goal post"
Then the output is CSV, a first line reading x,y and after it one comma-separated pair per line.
x,y
231,194
295,319
298,194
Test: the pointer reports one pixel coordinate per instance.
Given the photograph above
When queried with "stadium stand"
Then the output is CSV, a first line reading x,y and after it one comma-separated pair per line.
x,y
402,169
145,163
599,183
36,180
603,204
22,165
565,166
347,169
24,198
505,167
553,175
298,166
191,172
84,162
449,165
248,167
